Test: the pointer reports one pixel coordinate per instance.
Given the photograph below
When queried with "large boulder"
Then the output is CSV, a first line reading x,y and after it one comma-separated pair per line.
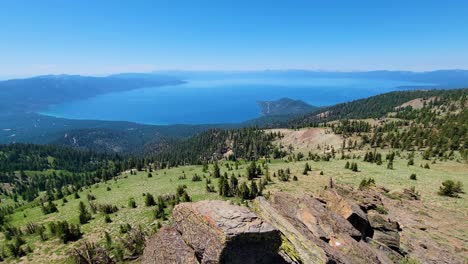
x,y
167,246
220,232
347,209
318,235
297,246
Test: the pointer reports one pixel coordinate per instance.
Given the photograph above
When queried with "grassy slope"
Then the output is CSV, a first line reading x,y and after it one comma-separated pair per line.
x,y
166,181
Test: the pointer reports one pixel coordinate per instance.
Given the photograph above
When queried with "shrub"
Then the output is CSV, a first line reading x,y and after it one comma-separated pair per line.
x,y
134,243
196,178
381,210
15,247
124,228
49,208
107,219
149,200
90,253
294,178
413,177
451,188
68,232
132,203
91,197
107,208
31,228
210,188
365,183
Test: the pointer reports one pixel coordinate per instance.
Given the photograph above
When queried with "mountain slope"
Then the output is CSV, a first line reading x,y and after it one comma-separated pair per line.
x,y
372,107
285,106
34,94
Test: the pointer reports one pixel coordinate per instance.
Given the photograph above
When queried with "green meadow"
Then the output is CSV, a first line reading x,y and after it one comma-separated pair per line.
x,y
163,182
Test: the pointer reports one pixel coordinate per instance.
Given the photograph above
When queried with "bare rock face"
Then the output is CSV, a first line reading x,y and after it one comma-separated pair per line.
x,y
386,231
299,248
318,234
167,246
220,232
348,210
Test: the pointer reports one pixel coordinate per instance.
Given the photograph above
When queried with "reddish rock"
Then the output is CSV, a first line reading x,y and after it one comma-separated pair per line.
x,y
220,232
330,237
167,246
347,209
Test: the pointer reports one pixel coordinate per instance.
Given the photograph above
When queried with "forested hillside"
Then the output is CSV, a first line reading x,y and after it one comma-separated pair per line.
x,y
215,144
64,199
372,107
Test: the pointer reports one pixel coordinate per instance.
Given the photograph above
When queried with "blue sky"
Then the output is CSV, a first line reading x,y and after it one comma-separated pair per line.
x,y
101,37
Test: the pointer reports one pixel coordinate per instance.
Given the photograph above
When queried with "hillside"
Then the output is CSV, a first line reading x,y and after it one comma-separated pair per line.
x,y
45,90
285,106
402,173
372,107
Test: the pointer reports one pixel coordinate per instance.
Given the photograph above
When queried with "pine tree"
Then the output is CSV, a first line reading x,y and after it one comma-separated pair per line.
x,y
306,169
149,200
84,214
244,192
234,184
216,170
253,190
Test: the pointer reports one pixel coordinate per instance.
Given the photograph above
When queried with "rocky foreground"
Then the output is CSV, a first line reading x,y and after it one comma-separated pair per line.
x,y
339,225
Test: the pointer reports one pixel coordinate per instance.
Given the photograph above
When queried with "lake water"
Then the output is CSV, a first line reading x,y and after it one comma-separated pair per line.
x,y
216,100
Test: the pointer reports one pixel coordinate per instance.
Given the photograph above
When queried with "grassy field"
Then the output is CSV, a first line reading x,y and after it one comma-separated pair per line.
x,y
119,191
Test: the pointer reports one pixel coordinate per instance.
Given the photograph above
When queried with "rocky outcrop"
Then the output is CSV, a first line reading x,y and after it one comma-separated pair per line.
x,y
348,210
298,247
167,246
214,232
386,231
221,232
318,234
331,228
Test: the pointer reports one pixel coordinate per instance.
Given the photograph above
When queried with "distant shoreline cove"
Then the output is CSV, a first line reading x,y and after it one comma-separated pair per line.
x,y
217,101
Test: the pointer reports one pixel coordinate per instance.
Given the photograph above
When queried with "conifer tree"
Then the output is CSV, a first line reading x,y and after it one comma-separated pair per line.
x,y
84,214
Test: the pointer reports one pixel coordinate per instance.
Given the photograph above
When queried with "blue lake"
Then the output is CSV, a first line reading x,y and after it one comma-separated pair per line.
x,y
206,101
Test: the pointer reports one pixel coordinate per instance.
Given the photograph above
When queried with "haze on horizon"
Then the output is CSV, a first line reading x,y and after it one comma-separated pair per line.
x,y
105,37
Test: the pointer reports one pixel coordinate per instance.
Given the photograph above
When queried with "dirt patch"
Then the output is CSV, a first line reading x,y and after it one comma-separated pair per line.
x,y
417,103
309,139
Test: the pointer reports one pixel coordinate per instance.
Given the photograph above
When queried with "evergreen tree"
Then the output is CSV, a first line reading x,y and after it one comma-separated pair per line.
x,y
234,184
149,200
216,170
84,214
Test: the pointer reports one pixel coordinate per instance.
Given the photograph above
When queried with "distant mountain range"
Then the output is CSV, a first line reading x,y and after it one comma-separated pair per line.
x,y
34,94
442,79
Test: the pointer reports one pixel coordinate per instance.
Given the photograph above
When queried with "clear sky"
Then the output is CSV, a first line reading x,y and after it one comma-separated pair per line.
x,y
100,37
